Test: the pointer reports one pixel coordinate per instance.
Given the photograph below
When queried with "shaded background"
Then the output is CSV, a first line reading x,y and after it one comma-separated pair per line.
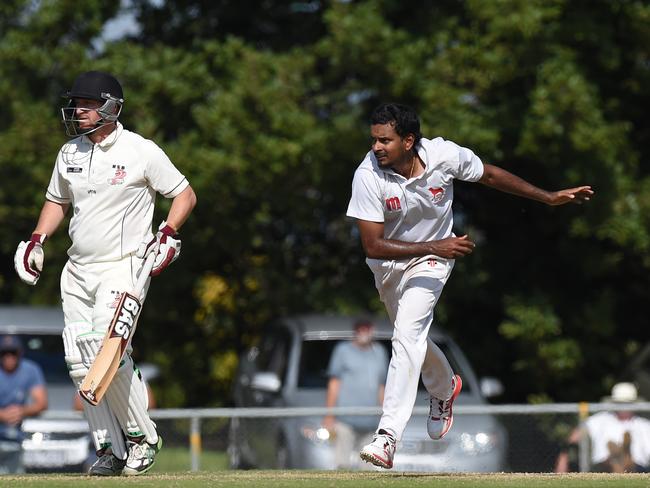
x,y
264,107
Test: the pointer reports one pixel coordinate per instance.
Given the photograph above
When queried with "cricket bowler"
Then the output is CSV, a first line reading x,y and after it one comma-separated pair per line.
x,y
402,196
108,178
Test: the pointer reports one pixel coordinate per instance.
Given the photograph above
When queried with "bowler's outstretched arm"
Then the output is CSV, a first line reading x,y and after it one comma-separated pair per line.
x,y
503,180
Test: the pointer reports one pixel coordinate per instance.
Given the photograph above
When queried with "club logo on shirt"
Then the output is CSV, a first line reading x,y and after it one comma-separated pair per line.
x,y
118,177
393,204
437,193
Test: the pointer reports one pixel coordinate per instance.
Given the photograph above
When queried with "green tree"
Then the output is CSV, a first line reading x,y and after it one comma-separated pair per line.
x,y
265,110
188,23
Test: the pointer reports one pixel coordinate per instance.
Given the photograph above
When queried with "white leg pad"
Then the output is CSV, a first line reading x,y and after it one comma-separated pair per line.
x,y
89,344
127,397
70,334
105,428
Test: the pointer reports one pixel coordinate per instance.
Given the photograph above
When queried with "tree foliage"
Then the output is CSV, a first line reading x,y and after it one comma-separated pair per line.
x,y
264,107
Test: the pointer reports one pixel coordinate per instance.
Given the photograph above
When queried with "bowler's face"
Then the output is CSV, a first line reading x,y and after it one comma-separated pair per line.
x,y
387,145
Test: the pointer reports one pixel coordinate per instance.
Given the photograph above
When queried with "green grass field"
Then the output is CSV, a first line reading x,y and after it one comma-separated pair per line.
x,y
172,471
174,459
332,479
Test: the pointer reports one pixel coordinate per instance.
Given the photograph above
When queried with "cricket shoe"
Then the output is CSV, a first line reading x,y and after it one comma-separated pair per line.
x,y
142,456
441,416
381,450
107,465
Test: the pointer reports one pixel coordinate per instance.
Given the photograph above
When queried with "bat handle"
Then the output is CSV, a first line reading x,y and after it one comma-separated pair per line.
x,y
144,274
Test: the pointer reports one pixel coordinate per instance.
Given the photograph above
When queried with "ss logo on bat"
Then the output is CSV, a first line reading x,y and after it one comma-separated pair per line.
x,y
128,312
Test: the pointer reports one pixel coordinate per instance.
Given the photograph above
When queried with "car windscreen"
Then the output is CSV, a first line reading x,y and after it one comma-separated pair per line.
x,y
47,351
315,357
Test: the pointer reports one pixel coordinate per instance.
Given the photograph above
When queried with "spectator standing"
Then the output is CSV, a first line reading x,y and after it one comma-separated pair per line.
x,y
357,374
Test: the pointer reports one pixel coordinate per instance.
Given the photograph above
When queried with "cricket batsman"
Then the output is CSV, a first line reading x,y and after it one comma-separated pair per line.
x,y
108,178
402,196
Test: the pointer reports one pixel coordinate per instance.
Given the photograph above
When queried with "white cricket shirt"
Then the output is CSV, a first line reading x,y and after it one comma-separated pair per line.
x,y
111,187
606,427
416,209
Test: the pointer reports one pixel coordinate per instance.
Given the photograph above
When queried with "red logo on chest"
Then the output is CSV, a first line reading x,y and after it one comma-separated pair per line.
x,y
393,204
118,177
437,193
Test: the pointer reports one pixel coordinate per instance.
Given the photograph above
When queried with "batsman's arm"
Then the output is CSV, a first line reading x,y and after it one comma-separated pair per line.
x,y
52,214
377,247
29,257
503,180
182,206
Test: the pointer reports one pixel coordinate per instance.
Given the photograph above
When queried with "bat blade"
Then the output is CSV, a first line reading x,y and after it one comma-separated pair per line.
x,y
117,339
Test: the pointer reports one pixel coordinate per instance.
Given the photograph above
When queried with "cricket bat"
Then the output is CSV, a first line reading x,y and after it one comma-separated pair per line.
x,y
117,339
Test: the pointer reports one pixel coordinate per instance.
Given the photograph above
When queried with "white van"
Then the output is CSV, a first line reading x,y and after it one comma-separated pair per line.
x,y
50,445
288,369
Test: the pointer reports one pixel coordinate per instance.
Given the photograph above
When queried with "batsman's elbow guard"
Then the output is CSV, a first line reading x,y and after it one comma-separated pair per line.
x,y
29,259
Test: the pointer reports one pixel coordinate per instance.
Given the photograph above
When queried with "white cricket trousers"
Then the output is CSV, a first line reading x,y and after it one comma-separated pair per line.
x,y
410,297
89,295
89,292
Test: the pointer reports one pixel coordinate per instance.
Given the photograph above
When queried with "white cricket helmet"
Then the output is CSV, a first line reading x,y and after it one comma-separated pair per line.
x,y
93,85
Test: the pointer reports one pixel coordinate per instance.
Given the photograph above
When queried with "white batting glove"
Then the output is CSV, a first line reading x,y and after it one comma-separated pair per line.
x,y
29,258
167,246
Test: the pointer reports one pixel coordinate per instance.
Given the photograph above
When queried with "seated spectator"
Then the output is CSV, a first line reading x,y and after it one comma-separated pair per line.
x,y
22,394
619,441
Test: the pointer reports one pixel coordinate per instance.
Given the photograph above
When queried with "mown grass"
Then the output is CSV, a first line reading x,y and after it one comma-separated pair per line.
x,y
174,459
345,479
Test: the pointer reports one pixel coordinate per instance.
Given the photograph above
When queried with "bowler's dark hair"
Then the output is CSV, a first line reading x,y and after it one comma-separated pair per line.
x,y
402,117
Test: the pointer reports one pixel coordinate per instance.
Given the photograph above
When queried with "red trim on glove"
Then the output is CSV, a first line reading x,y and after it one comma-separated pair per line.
x,y
168,230
165,262
35,239
26,254
40,238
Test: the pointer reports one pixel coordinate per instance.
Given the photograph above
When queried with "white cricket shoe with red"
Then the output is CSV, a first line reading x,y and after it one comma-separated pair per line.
x,y
381,450
441,416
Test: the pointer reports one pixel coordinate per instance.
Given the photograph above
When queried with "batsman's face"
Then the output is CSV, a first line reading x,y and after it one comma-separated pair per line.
x,y
86,112
388,147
